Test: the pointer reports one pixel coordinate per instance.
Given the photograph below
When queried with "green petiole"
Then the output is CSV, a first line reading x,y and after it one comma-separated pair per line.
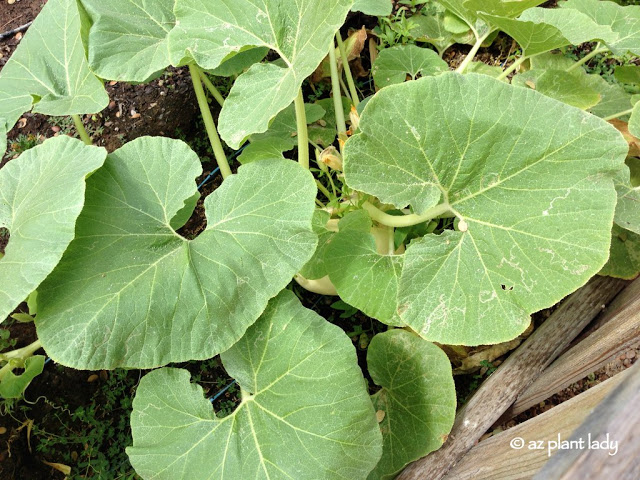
x,y
212,132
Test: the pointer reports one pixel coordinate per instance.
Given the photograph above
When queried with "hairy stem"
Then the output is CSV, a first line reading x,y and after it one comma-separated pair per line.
x,y
212,88
472,53
82,132
303,136
347,70
586,58
324,190
405,220
337,97
218,150
619,114
512,67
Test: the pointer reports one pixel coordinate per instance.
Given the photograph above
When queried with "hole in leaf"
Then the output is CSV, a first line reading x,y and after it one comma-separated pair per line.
x,y
196,223
4,240
219,388
504,287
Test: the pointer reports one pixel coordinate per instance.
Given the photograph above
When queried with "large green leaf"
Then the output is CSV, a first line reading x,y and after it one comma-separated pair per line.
x,y
634,121
418,398
623,21
502,8
540,30
41,195
128,41
430,28
575,90
470,15
628,207
627,74
159,297
614,98
298,30
315,268
281,136
624,261
49,69
3,137
394,64
375,8
305,411
13,386
473,11
364,278
531,178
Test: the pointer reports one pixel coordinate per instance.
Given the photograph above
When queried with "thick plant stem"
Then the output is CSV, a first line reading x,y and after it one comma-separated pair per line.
x,y
324,190
472,53
212,88
303,136
218,150
347,71
82,132
619,114
512,67
404,220
337,97
586,58
18,356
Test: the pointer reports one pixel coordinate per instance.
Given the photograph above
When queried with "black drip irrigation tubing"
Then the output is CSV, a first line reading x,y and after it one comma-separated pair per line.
x,y
21,28
217,169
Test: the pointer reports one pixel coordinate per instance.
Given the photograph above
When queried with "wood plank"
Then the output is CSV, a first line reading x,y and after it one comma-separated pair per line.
x,y
619,329
617,419
523,366
496,459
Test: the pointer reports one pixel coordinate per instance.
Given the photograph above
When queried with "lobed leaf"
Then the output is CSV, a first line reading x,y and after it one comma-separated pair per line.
x,y
530,176
418,398
574,90
3,137
624,22
540,30
628,208
131,292
49,70
431,28
627,74
41,195
375,8
299,31
305,411
316,268
394,64
502,8
624,260
364,278
128,41
634,121
13,386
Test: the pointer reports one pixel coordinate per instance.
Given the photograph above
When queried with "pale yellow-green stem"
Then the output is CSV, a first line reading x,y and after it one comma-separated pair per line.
x,y
337,97
472,53
404,220
212,88
210,126
303,136
347,70
586,58
82,132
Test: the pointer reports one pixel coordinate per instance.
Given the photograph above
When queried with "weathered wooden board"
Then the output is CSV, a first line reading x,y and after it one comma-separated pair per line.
x,y
523,366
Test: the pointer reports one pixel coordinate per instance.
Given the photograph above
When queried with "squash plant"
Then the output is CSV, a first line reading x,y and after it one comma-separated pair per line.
x,y
465,204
